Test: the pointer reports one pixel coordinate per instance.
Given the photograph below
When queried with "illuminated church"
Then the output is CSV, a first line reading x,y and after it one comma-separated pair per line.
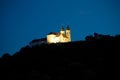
x,y
59,37
54,37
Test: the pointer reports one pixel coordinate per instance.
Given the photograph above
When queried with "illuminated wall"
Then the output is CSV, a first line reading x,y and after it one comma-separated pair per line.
x,y
63,37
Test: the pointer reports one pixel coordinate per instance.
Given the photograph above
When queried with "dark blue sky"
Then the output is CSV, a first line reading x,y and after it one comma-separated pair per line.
x,y
24,20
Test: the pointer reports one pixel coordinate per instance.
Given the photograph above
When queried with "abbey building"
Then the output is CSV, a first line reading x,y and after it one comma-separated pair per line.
x,y
62,36
59,37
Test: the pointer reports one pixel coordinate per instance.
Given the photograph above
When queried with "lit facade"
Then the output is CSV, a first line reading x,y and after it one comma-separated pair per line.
x,y
59,37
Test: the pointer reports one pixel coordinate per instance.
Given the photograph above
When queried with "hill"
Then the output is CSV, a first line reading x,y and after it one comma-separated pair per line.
x,y
77,60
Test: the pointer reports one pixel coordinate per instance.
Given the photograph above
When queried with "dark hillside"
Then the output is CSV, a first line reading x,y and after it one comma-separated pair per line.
x,y
78,60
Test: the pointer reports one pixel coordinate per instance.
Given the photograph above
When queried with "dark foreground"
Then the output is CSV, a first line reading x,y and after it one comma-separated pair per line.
x,y
79,60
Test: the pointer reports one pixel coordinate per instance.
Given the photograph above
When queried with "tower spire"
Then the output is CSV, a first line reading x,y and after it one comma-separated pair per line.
x,y
67,27
62,30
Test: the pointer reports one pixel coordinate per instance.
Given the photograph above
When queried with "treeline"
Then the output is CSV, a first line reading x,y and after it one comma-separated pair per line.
x,y
77,60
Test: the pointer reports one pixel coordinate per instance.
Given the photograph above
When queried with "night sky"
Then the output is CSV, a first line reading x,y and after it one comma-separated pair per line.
x,y
21,21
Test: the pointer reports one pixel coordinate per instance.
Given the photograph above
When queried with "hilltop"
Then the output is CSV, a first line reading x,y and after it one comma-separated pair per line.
x,y
82,60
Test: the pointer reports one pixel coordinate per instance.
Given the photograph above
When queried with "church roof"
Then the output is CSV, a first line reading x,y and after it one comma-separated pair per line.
x,y
55,33
58,34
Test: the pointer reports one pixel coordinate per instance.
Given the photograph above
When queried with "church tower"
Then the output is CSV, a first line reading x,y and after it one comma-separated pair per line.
x,y
68,33
62,30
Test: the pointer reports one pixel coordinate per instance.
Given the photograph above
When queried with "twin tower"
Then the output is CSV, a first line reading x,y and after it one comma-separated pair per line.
x,y
59,37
